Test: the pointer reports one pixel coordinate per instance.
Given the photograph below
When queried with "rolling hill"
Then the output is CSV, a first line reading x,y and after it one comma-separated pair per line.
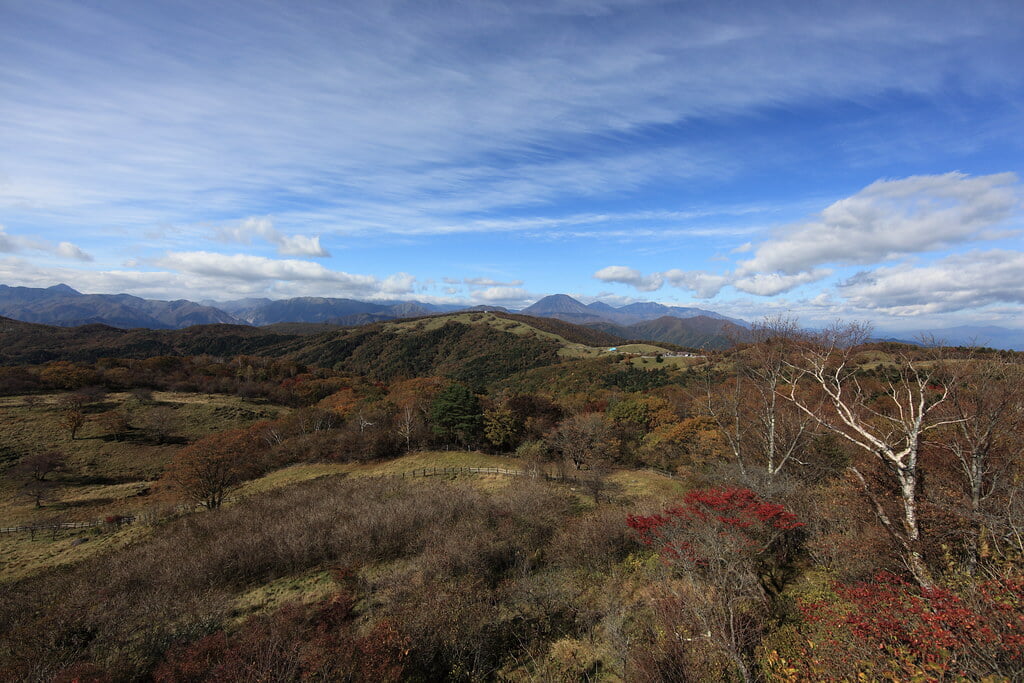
x,y
699,332
477,348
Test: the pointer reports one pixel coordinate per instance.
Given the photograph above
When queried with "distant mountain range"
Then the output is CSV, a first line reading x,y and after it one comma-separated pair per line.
x,y
324,310
991,336
62,305
566,308
694,327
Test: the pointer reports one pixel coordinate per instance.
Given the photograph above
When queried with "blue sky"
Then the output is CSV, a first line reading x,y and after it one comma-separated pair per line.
x,y
830,160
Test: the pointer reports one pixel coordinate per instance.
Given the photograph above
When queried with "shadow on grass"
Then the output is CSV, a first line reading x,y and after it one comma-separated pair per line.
x,y
141,437
95,480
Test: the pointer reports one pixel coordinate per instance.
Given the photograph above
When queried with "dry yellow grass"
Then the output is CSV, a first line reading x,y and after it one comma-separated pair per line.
x,y
307,588
645,484
22,555
422,459
294,474
103,473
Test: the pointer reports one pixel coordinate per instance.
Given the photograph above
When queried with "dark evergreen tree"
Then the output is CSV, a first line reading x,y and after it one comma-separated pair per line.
x,y
456,415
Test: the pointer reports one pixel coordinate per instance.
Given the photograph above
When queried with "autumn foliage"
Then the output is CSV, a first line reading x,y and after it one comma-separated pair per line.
x,y
296,643
891,629
213,466
737,512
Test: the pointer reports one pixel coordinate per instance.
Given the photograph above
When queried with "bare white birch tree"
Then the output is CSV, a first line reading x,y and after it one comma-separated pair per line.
x,y
886,419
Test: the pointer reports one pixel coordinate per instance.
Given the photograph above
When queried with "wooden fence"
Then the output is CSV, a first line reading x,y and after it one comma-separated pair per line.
x,y
108,521
120,520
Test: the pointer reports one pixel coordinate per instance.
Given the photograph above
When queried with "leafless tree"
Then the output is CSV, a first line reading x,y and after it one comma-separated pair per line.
x,y
37,490
886,420
987,413
161,422
408,422
761,428
37,465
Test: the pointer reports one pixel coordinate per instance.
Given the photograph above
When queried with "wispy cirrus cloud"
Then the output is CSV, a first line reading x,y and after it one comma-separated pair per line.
x,y
329,105
16,243
487,282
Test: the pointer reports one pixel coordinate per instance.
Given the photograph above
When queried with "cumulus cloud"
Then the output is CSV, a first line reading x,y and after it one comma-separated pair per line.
x,y
287,245
886,220
891,218
513,297
399,283
955,283
68,250
704,285
631,277
248,267
770,284
200,275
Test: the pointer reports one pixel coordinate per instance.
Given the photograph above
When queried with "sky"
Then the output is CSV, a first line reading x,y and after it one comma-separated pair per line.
x,y
824,160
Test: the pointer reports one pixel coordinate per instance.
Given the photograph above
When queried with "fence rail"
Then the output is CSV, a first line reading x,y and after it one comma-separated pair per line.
x,y
108,521
121,520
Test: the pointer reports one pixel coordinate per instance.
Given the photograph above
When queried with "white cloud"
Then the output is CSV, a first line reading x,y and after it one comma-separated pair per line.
x,y
10,244
884,221
342,109
300,245
7,244
287,245
631,277
511,297
770,284
247,267
199,275
891,218
488,282
68,250
399,283
704,285
955,283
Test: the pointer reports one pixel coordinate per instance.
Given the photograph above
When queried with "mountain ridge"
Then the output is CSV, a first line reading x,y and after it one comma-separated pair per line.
x,y
64,306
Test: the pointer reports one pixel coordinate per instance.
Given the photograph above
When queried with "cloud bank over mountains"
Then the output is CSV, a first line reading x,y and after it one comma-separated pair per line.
x,y
889,222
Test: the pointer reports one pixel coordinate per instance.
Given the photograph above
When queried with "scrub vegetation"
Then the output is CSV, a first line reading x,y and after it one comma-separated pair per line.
x,y
461,499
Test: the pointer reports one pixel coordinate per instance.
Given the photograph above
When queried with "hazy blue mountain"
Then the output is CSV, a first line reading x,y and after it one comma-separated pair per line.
x,y
992,336
566,308
64,306
237,305
648,310
563,307
701,332
306,309
601,307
